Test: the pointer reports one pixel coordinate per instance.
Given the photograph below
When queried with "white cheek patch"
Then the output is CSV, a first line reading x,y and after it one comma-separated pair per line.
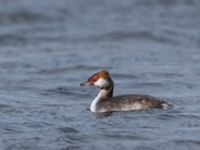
x,y
101,83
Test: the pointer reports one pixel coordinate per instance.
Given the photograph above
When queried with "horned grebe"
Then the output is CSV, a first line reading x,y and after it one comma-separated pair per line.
x,y
105,102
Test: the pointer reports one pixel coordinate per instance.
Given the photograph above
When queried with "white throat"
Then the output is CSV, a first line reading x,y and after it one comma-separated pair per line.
x,y
101,83
93,106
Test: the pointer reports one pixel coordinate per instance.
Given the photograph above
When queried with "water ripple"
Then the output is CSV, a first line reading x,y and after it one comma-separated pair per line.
x,y
133,35
22,16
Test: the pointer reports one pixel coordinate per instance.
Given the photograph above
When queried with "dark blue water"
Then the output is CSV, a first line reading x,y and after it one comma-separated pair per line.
x,y
48,47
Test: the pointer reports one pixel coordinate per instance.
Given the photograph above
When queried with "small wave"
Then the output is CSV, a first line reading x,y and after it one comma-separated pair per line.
x,y
68,130
14,64
189,115
69,69
72,138
22,16
165,3
144,148
14,39
77,92
129,35
124,76
146,84
59,90
166,74
188,141
125,137
4,106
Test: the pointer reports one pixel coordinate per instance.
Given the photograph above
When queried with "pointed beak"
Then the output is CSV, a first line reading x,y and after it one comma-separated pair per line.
x,y
86,83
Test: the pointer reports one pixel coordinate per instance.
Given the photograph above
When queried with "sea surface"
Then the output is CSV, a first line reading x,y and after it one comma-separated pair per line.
x,y
47,47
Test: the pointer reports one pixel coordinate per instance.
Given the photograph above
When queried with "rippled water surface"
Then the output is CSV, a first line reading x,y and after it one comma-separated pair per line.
x,y
48,47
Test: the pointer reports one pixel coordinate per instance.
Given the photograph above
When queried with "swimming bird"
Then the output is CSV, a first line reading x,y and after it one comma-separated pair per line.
x,y
105,102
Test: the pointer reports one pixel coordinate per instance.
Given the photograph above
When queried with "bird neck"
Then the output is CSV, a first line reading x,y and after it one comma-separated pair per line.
x,y
103,94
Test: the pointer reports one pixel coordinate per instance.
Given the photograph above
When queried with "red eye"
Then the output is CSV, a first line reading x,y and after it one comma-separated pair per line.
x,y
94,78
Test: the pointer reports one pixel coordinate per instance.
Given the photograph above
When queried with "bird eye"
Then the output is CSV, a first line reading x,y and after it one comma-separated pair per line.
x,y
94,78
